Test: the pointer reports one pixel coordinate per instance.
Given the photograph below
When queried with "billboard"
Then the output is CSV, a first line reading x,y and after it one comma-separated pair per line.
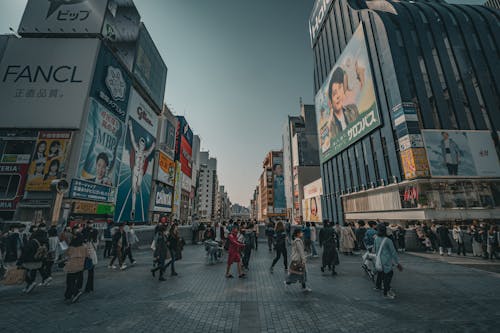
x,y
170,130
346,106
81,189
318,15
185,158
311,204
279,203
149,68
102,146
454,153
45,81
132,203
163,198
185,182
14,178
111,84
176,203
48,160
166,169
63,16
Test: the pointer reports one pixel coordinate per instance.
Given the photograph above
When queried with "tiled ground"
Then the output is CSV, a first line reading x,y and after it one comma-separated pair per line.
x,y
431,297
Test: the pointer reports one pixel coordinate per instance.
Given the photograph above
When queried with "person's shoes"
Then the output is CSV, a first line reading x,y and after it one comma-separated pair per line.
x,y
111,266
230,276
242,276
25,289
123,267
271,270
390,295
88,291
174,274
162,279
76,297
31,287
306,290
322,269
133,262
47,281
377,289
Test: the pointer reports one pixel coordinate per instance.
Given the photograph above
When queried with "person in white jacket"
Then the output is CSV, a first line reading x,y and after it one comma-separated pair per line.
x,y
297,271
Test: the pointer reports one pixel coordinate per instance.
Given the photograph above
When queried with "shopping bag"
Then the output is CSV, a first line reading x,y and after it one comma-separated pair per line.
x,y
13,276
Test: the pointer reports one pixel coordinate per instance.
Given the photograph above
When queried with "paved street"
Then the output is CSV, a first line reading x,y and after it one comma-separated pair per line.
x,y
431,297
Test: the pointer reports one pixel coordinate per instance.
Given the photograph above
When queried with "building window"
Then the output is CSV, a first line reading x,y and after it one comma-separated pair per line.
x,y
8,186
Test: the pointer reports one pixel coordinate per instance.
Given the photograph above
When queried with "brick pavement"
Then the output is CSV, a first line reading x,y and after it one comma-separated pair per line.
x,y
431,297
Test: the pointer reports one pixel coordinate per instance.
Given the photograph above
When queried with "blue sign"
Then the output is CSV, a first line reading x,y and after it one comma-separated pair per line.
x,y
81,189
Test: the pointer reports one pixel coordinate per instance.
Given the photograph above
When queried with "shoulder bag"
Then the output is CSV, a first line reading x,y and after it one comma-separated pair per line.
x,y
378,260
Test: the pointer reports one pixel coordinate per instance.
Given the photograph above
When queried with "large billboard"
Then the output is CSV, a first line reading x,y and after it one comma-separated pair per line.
x,y
170,133
318,15
163,198
311,204
63,16
14,178
45,82
166,169
132,203
102,146
48,160
149,68
454,153
176,203
346,106
279,202
185,157
111,85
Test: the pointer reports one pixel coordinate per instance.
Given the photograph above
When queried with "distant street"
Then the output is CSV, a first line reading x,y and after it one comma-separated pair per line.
x,y
432,296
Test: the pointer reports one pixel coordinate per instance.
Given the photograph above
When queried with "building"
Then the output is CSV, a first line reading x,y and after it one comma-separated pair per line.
x,y
207,188
413,130
300,158
272,188
239,212
89,124
196,173
254,205
223,205
183,154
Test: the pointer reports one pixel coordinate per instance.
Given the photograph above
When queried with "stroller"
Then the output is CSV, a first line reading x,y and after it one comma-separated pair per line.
x,y
369,264
214,251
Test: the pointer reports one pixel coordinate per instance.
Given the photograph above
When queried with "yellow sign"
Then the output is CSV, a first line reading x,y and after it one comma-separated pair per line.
x,y
414,161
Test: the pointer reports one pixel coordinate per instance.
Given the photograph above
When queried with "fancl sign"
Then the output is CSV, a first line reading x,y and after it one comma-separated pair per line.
x,y
317,17
37,73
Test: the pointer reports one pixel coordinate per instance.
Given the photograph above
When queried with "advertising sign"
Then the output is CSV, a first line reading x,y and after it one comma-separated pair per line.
x,y
63,16
454,153
185,182
163,199
45,81
149,68
318,15
311,204
111,85
176,204
185,130
346,106
14,178
134,191
48,161
186,158
414,163
170,139
278,185
81,189
102,146
166,170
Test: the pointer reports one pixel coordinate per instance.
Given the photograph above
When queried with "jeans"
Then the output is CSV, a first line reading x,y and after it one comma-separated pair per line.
x,y
246,255
461,248
31,274
73,283
386,278
107,249
89,286
281,251
118,254
128,252
313,248
270,240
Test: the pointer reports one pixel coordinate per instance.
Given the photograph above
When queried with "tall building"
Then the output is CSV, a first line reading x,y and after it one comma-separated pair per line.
x,y
223,205
196,173
183,154
90,124
207,188
272,188
407,110
300,158
254,205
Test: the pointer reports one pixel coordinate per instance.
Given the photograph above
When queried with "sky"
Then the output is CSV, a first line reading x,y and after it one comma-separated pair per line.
x,y
236,69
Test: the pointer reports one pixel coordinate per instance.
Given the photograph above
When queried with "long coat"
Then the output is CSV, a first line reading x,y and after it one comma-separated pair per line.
x,y
328,239
347,239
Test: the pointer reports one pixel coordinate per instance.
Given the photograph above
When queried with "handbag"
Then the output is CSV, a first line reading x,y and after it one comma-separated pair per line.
x,y
88,264
378,260
63,246
297,267
14,275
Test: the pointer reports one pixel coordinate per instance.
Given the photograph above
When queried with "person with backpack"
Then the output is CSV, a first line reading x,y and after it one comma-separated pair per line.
x,y
280,240
76,254
249,241
386,257
161,252
328,240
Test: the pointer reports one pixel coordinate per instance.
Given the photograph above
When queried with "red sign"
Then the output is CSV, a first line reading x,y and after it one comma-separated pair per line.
x,y
185,157
18,174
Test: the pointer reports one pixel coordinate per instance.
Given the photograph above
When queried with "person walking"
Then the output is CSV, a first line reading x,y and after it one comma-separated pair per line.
x,y
107,237
347,239
74,267
328,240
173,248
314,237
249,241
280,240
119,244
132,239
31,259
492,243
194,231
53,241
459,237
360,235
298,271
401,238
386,257
234,253
270,235
444,239
475,236
90,241
161,252
13,245
256,234
306,230
370,234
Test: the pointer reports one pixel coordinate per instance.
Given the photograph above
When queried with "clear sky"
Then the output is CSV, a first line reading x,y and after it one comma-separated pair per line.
x,y
236,69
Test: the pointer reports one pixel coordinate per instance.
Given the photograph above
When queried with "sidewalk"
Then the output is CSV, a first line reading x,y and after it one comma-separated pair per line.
x,y
467,261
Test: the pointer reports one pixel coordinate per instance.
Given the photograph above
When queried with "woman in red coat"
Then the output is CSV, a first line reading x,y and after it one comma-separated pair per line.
x,y
234,253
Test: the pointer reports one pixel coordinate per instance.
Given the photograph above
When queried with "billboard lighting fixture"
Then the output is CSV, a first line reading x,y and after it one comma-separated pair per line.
x,y
15,33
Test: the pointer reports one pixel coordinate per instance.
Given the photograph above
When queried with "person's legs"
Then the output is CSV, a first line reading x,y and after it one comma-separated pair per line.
x,y
387,281
119,254
89,286
285,257
256,241
270,243
313,247
172,262
378,282
278,255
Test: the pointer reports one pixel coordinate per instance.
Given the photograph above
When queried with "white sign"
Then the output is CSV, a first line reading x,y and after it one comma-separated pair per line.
x,y
63,16
313,189
318,15
140,111
44,82
410,141
185,182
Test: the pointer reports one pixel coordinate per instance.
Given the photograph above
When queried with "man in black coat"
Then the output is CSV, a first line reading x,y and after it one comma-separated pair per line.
x,y
444,239
328,239
119,245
